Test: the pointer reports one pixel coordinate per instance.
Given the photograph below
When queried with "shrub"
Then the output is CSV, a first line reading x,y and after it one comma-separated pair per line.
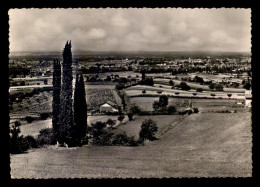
x,y
219,87
44,115
171,82
110,122
46,137
156,105
31,141
184,86
121,117
99,134
143,91
212,86
135,109
247,86
148,130
130,116
171,109
199,90
29,119
17,144
195,110
123,139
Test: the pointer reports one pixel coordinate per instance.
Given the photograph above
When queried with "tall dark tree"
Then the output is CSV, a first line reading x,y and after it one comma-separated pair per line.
x,y
56,98
80,111
66,114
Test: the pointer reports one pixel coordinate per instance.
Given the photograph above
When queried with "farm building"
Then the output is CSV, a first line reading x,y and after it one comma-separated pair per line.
x,y
108,107
248,98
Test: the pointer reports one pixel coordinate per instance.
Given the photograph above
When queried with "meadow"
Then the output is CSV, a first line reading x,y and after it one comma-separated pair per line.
x,y
200,145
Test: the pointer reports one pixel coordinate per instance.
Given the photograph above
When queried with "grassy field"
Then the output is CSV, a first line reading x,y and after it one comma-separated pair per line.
x,y
200,145
164,122
204,105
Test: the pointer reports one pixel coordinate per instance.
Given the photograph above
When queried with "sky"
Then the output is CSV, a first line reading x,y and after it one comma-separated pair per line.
x,y
171,29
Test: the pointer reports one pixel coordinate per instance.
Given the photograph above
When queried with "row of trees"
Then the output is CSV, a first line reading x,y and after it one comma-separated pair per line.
x,y
69,124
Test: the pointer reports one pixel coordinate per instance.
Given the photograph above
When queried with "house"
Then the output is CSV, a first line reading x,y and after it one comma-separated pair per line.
x,y
108,107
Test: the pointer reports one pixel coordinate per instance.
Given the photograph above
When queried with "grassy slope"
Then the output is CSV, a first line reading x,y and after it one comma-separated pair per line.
x,y
202,145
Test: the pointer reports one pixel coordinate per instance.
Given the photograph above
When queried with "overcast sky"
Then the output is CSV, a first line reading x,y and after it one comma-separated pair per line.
x,y
131,29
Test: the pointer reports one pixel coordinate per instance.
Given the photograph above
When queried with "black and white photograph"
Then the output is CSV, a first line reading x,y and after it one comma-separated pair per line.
x,y
128,93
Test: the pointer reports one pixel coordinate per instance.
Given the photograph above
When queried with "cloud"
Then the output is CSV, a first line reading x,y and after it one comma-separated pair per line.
x,y
130,29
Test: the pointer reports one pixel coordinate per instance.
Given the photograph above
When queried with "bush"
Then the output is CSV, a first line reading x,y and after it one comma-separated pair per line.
x,y
195,110
219,87
110,122
212,86
148,130
199,89
121,118
45,115
99,134
29,119
46,137
123,140
184,86
17,144
130,116
171,109
171,82
31,141
247,86
135,109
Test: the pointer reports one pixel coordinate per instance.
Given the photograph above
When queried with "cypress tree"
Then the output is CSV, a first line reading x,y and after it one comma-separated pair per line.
x,y
66,114
80,110
56,98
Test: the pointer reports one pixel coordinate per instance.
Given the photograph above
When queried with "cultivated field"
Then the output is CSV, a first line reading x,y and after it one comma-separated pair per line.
x,y
99,94
200,145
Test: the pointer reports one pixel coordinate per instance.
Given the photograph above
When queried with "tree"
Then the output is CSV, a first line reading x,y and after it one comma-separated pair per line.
x,y
66,114
184,86
121,118
110,122
143,91
199,90
108,78
171,82
156,105
171,109
212,86
135,109
143,75
219,87
163,100
56,98
17,144
80,111
148,130
99,135
247,86
130,116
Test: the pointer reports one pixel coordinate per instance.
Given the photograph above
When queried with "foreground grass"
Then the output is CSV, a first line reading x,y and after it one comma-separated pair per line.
x,y
201,145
